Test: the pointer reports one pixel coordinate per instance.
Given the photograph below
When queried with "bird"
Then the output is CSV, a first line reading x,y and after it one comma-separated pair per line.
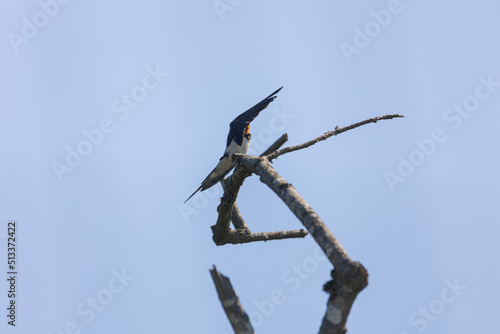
x,y
238,141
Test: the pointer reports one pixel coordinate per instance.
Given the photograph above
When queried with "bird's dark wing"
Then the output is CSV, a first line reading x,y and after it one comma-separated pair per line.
x,y
238,125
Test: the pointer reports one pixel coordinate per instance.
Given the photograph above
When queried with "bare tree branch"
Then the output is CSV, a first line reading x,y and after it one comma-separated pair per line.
x,y
268,175
327,135
276,145
237,219
343,291
243,237
242,233
231,304
231,187
350,277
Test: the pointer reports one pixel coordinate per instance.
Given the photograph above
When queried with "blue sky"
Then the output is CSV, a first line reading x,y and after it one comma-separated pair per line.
x,y
113,113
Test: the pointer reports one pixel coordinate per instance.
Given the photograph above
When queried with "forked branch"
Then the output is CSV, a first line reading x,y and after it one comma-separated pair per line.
x,y
348,277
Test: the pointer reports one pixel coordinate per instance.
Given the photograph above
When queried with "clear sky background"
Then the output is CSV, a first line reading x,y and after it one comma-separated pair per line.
x,y
104,241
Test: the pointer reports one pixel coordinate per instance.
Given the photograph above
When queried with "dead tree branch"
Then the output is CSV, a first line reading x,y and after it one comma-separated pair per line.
x,y
231,304
276,145
350,277
243,237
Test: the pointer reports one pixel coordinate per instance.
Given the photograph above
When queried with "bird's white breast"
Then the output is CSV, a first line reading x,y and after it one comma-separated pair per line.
x,y
235,148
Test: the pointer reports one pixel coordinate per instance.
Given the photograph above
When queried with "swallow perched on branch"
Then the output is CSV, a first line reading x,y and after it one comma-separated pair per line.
x,y
238,141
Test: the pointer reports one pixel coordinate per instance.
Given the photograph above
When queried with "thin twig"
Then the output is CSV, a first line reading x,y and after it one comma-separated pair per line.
x,y
327,135
276,145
